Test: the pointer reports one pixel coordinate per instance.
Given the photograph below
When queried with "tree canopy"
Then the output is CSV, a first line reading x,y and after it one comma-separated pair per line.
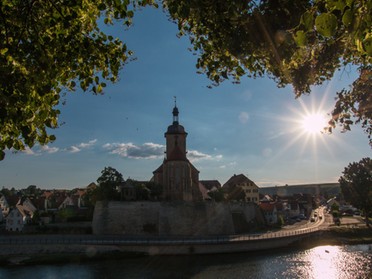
x,y
51,47
301,43
108,183
48,48
356,185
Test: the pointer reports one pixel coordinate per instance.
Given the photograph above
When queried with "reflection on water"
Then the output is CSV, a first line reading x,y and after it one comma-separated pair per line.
x,y
330,262
341,262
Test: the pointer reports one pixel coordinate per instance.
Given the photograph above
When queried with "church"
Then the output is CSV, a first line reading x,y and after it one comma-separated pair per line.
x,y
179,178
181,211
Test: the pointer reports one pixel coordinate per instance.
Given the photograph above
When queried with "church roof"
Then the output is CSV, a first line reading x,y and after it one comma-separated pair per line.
x,y
175,128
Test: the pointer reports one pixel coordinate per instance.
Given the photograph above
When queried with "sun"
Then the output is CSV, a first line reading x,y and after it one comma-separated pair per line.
x,y
313,123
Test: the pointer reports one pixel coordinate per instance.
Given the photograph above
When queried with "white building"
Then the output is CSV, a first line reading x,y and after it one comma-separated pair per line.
x,y
15,220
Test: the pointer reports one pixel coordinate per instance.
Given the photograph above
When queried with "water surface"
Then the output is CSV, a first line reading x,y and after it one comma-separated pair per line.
x,y
342,262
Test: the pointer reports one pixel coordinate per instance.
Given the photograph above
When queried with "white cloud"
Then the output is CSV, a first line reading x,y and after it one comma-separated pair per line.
x,y
50,150
78,147
243,117
195,155
147,150
28,151
151,150
87,144
73,149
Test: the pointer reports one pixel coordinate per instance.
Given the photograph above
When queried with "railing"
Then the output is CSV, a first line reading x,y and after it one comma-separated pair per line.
x,y
133,240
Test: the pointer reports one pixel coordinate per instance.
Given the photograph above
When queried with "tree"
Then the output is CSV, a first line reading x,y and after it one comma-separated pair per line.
x,y
156,190
48,48
301,43
142,192
108,182
356,185
217,195
51,47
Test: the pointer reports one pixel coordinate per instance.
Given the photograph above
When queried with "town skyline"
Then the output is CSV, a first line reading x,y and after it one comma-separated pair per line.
x,y
252,128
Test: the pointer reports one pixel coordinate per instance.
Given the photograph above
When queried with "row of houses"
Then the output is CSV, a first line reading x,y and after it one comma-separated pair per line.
x,y
284,208
18,210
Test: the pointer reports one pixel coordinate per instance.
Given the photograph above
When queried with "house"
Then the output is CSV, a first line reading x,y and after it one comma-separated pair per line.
x,y
294,208
47,200
211,185
270,212
206,186
266,199
67,202
128,191
26,205
4,205
15,220
80,193
241,188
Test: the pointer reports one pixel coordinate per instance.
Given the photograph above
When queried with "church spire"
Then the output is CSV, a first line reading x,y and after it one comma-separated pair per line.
x,y
175,112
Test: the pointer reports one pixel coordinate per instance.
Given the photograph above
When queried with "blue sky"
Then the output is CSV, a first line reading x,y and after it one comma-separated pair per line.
x,y
252,128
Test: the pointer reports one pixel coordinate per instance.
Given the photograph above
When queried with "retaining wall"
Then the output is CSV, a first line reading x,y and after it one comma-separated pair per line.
x,y
175,218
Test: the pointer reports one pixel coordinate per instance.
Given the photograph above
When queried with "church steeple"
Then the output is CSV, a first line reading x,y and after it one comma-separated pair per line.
x,y
176,138
175,112
180,179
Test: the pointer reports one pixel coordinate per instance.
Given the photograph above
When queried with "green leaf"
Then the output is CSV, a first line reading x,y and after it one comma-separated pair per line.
x,y
3,51
307,19
347,18
300,38
336,5
367,43
326,24
240,71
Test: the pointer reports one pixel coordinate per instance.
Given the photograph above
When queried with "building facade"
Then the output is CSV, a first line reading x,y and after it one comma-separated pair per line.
x,y
179,178
241,188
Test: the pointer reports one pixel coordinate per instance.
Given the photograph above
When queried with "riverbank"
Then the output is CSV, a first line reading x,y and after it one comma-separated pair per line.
x,y
48,254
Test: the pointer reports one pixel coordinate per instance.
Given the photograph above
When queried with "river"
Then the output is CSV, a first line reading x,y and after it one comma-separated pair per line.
x,y
342,262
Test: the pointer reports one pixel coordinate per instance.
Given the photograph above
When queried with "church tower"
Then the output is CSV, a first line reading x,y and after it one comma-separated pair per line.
x,y
179,178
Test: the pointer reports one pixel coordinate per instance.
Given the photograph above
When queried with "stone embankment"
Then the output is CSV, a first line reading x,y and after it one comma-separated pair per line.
x,y
23,248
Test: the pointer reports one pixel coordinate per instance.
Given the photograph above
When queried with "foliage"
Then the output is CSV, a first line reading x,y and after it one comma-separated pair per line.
x,y
301,43
217,195
142,192
48,47
355,104
280,222
356,185
65,214
108,182
156,190
335,207
146,190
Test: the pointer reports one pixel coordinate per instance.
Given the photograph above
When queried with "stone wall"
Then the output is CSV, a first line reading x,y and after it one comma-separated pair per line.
x,y
175,218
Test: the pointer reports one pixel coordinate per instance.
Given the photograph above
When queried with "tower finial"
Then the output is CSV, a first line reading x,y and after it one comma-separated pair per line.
x,y
175,112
